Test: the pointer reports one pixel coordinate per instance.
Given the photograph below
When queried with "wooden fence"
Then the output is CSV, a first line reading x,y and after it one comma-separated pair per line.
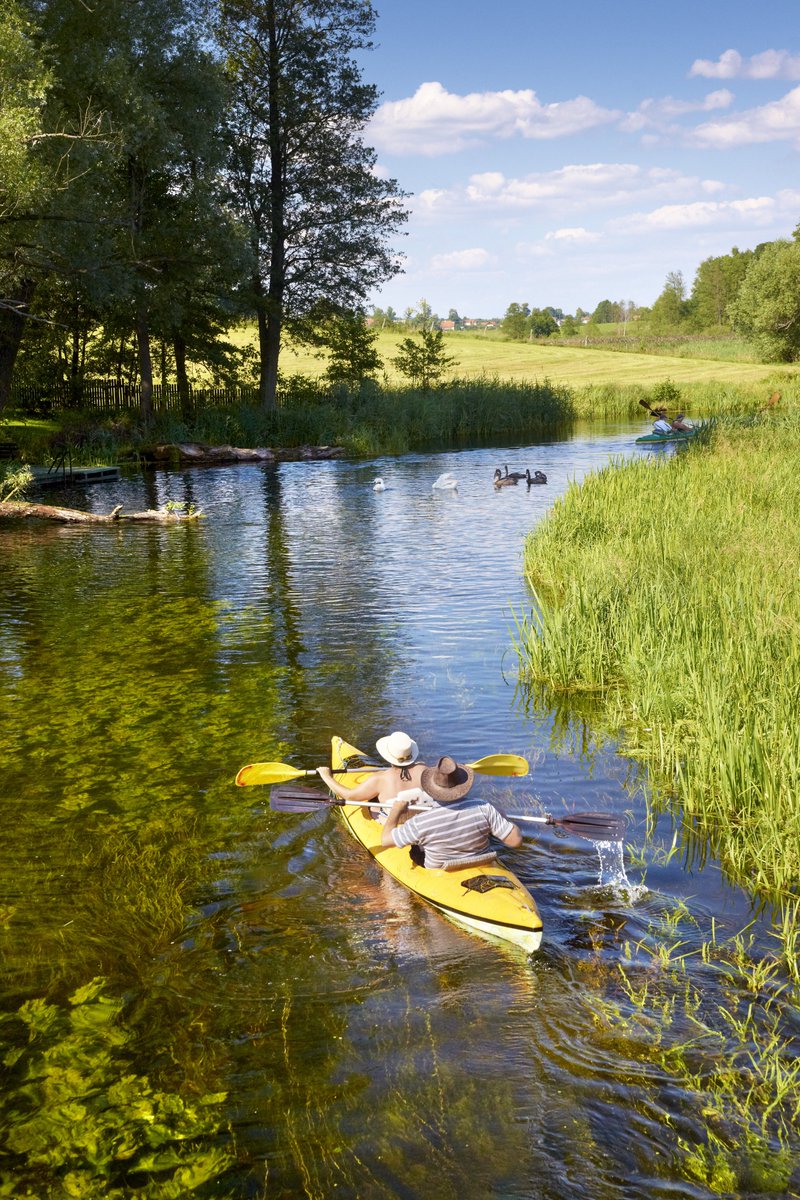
x,y
111,396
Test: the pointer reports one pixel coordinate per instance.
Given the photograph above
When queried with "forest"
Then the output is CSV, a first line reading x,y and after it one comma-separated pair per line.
x,y
171,168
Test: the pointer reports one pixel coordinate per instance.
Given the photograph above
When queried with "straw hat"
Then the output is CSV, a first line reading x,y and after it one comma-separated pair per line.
x,y
398,749
448,780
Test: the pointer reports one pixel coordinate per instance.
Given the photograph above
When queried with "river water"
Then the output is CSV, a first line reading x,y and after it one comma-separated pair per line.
x,y
367,1047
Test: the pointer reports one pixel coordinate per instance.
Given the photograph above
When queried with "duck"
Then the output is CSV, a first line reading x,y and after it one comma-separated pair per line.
x,y
536,477
378,485
501,480
446,482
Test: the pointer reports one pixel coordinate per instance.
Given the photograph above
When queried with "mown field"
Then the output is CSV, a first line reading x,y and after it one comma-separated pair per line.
x,y
577,366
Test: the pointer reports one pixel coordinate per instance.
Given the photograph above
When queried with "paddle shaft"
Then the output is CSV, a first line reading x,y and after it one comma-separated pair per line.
x,y
594,826
276,772
427,808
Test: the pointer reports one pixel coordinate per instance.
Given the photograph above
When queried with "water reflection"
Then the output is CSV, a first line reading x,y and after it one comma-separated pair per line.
x,y
367,1045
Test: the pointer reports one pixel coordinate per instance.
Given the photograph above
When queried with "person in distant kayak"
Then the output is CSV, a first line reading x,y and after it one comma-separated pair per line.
x,y
405,771
661,424
455,829
682,424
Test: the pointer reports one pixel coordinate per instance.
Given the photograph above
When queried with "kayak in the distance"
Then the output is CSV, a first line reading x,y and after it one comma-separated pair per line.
x,y
677,435
485,896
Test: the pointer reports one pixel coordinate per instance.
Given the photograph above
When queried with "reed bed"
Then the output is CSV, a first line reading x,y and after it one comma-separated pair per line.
x,y
375,421
670,589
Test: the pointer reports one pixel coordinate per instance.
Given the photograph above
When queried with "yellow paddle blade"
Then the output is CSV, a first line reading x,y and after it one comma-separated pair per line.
x,y
268,772
501,764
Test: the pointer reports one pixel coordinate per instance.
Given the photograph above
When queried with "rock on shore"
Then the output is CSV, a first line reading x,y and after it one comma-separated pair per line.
x,y
195,452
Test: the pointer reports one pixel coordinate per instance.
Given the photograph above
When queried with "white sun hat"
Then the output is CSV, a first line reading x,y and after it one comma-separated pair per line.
x,y
398,749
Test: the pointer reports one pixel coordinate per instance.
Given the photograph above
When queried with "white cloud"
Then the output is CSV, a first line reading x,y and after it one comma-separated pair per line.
x,y
757,211
435,121
572,237
576,187
770,64
661,114
463,260
777,121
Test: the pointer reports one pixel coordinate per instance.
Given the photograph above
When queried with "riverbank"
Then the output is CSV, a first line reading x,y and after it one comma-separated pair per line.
x,y
668,590
374,421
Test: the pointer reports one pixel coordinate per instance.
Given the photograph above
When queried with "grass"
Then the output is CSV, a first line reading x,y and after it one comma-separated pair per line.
x,y
576,366
669,590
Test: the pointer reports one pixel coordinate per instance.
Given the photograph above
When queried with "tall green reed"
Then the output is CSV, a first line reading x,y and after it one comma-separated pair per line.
x,y
670,589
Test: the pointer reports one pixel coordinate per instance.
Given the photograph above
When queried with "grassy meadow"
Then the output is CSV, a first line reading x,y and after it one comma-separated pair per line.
x,y
576,366
668,589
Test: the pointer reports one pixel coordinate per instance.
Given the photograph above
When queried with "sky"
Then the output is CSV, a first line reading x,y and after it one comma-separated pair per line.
x,y
563,154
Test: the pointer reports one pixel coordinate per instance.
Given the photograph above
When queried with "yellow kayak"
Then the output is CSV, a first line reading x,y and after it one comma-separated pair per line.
x,y
486,897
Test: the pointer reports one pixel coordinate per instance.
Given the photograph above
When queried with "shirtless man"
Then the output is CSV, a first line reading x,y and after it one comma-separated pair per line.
x,y
383,786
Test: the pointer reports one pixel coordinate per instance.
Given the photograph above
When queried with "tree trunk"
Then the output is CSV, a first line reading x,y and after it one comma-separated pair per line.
x,y
184,391
13,314
277,247
75,516
145,363
75,383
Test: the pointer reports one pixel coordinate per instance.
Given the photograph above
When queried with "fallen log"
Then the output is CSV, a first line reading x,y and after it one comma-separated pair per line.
x,y
17,510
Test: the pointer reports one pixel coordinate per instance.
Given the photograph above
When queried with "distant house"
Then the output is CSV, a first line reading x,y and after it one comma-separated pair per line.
x,y
447,326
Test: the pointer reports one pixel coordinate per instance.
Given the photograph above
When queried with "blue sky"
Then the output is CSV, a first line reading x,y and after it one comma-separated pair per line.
x,y
565,154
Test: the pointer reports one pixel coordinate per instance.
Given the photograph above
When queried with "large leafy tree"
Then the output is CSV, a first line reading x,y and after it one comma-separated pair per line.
x,y
159,231
716,285
303,181
767,306
24,180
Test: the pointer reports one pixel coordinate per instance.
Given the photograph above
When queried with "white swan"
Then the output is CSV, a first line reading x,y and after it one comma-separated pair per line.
x,y
446,482
378,485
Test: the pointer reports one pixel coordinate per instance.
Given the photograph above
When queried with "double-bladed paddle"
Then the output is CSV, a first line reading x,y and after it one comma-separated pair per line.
x,y
595,826
277,772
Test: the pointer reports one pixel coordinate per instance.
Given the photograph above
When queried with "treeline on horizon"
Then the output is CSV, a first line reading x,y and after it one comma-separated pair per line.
x,y
752,293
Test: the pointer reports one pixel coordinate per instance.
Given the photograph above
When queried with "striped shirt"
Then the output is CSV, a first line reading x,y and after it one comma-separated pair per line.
x,y
454,830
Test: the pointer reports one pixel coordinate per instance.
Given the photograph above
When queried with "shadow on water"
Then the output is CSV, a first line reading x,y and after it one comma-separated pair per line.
x,y
365,1046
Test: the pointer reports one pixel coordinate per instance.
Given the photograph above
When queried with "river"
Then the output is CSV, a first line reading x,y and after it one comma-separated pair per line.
x,y
367,1047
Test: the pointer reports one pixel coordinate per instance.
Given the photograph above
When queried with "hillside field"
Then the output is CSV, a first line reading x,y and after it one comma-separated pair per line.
x,y
488,354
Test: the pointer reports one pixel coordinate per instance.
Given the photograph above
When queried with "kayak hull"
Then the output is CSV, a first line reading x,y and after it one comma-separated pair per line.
x,y
678,436
504,910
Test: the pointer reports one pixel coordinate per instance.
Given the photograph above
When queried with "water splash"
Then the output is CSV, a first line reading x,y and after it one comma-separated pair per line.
x,y
612,872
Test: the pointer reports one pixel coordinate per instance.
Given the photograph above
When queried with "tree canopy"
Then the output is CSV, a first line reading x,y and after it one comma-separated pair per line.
x,y
767,306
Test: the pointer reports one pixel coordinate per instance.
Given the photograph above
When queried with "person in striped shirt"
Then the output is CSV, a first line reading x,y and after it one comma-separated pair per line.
x,y
456,828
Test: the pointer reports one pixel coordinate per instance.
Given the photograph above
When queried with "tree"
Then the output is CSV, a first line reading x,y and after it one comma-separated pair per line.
x,y
353,356
425,318
454,317
767,307
514,323
133,219
25,181
424,361
671,309
716,285
606,312
541,324
303,182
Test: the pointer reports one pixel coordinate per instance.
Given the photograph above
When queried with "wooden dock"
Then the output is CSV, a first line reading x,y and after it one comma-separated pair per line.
x,y
60,475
